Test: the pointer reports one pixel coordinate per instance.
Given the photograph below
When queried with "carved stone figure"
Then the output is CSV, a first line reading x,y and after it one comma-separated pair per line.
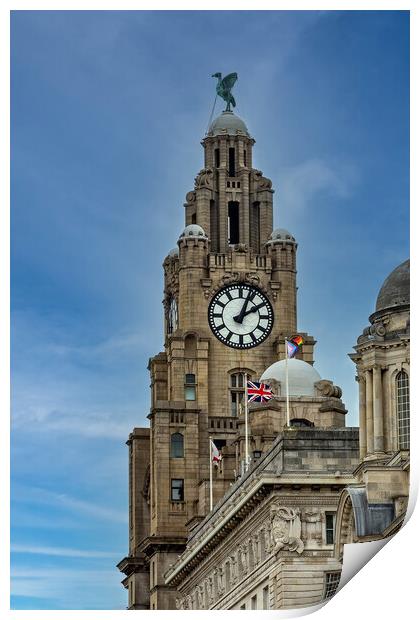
x,y
327,388
286,529
255,543
220,581
204,178
233,570
312,520
260,182
191,197
200,597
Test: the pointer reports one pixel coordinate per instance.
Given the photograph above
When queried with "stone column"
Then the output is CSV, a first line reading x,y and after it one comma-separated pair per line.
x,y
369,412
378,421
362,416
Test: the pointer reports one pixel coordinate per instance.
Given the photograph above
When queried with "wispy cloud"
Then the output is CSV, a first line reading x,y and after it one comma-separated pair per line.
x,y
63,552
299,184
69,588
70,503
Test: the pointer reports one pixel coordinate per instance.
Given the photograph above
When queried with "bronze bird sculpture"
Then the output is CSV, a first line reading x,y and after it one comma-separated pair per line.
x,y
224,88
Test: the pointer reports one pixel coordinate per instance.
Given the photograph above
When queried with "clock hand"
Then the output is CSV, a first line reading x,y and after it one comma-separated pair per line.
x,y
254,309
240,317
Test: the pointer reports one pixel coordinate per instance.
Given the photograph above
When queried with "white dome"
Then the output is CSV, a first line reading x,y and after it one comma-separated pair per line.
x,y
193,230
173,253
228,123
281,234
302,376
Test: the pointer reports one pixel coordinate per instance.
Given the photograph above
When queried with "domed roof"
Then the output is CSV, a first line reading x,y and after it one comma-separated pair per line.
x,y
173,253
302,376
193,230
395,291
227,123
281,234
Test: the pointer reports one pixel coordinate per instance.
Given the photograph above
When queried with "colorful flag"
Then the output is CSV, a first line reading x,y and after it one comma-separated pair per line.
x,y
293,345
216,457
258,392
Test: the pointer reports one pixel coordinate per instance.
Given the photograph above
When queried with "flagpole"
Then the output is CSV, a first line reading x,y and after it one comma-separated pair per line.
x,y
211,476
246,423
287,384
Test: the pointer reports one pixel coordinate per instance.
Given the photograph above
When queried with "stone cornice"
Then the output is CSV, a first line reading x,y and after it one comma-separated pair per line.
x,y
238,510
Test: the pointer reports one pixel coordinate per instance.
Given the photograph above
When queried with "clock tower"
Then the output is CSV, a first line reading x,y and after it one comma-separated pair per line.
x,y
229,302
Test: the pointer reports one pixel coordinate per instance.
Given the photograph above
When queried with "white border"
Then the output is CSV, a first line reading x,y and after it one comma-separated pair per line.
x,y
387,585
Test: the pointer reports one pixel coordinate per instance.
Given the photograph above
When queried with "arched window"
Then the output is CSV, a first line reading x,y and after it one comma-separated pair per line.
x,y
301,422
177,446
403,410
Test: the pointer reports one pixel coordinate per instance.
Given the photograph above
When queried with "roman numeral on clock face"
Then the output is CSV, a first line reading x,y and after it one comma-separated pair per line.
x,y
240,316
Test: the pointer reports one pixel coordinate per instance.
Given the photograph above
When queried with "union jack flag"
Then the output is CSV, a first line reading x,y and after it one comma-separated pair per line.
x,y
258,392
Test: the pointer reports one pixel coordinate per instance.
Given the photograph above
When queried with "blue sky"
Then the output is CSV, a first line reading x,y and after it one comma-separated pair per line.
x,y
108,110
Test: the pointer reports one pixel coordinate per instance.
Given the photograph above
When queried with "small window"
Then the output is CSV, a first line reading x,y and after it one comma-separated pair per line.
x,y
217,158
237,393
329,528
177,446
245,159
228,183
331,584
194,218
265,597
254,602
238,184
403,411
190,387
301,423
177,490
231,162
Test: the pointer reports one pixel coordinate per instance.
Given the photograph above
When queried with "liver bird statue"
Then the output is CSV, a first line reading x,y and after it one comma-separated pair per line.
x,y
224,87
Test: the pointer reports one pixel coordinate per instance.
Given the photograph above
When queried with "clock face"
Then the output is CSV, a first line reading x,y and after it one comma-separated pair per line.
x,y
172,316
240,316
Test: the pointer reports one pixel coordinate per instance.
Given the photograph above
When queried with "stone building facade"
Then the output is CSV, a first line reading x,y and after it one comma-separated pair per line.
x,y
229,302
375,505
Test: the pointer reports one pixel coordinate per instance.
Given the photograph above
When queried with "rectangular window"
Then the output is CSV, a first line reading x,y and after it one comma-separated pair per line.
x,y
190,387
254,602
231,162
329,527
177,490
217,158
245,159
265,597
331,584
214,226
233,222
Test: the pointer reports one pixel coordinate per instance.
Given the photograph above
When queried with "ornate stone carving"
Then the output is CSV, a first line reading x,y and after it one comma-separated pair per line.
x,y
204,179
191,197
200,597
220,580
400,505
229,279
233,570
253,279
312,520
286,529
260,182
327,388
